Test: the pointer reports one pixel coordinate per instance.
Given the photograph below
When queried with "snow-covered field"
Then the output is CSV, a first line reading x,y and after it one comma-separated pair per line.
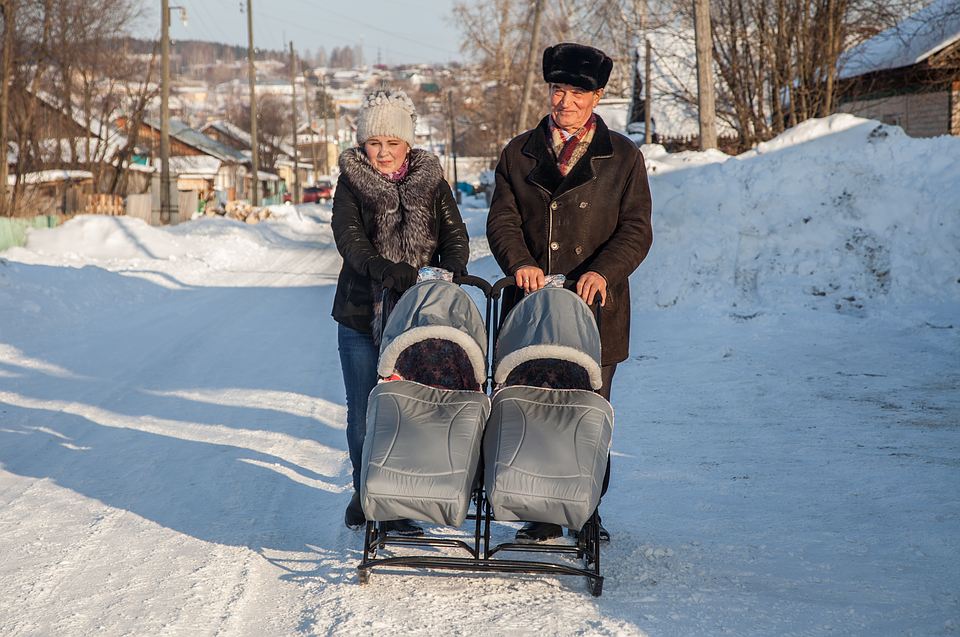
x,y
786,457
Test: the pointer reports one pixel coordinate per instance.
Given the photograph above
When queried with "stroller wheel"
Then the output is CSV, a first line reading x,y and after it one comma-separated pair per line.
x,y
363,576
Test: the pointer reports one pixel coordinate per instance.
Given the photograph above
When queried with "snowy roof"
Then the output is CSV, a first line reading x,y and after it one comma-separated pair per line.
x,y
227,128
51,176
96,127
913,40
201,166
84,149
243,137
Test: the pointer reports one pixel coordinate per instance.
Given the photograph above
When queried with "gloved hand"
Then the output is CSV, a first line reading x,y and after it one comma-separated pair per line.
x,y
399,277
459,271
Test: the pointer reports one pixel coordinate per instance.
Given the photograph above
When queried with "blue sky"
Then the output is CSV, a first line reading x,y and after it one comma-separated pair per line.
x,y
398,31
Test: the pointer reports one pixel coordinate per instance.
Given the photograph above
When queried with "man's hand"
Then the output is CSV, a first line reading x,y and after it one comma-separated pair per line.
x,y
589,285
530,278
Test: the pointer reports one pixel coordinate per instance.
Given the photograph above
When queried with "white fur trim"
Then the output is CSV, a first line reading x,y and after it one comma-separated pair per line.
x,y
536,352
388,359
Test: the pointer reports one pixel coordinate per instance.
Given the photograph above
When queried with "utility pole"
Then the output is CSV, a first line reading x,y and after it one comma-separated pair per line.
x,y
532,59
453,144
313,132
296,154
705,96
254,143
322,98
166,213
647,100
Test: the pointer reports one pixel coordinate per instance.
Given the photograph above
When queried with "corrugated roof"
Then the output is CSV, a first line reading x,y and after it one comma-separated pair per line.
x,y
194,138
232,130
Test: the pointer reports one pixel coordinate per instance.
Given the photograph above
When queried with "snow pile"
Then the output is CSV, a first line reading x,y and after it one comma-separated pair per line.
x,y
836,213
94,266
124,243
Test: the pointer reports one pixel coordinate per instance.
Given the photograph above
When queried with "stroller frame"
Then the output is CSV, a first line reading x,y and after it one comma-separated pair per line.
x,y
481,550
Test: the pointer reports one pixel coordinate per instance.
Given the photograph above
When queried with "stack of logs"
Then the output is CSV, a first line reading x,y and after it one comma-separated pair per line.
x,y
101,204
243,211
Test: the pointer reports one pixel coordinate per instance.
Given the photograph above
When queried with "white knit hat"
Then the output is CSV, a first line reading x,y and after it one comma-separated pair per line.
x,y
388,113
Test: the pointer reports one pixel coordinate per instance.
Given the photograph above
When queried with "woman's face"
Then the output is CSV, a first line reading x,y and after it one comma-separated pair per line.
x,y
386,153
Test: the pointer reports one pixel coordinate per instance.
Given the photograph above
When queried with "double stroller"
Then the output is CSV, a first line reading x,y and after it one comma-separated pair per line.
x,y
439,448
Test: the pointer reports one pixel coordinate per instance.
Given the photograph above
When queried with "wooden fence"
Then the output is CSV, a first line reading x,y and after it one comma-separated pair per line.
x,y
730,144
140,207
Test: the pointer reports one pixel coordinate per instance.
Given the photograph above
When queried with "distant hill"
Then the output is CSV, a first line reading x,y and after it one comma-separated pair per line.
x,y
200,52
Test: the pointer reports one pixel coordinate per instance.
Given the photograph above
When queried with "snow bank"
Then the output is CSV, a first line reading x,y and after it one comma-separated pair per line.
x,y
125,242
836,213
840,213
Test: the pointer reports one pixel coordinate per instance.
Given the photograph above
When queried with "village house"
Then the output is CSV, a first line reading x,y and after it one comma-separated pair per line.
x,y
274,184
73,162
908,75
200,163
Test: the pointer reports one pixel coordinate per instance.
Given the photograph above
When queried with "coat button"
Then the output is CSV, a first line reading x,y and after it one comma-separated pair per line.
x,y
584,204
553,205
579,250
554,246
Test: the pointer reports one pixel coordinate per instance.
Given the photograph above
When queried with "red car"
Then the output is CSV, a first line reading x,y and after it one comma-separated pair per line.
x,y
321,191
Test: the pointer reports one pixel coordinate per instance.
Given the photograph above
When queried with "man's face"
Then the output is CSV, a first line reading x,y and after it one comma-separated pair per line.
x,y
571,106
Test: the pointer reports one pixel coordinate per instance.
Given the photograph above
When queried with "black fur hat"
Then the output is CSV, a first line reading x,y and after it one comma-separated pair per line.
x,y
577,65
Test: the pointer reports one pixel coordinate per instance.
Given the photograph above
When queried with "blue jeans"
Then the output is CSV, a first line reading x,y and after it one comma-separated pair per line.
x,y
358,360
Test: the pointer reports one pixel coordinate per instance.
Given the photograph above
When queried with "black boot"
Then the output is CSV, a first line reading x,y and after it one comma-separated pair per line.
x,y
354,517
403,527
604,534
538,532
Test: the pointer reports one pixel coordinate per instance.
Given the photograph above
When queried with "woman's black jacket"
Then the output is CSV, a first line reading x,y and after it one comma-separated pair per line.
x,y
363,265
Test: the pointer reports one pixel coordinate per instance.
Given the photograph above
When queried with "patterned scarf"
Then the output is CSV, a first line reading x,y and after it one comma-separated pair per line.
x,y
568,148
401,172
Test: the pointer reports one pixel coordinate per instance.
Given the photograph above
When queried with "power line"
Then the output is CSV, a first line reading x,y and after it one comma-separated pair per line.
x,y
367,25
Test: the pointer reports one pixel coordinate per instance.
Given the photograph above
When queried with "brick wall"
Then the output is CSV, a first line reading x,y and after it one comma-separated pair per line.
x,y
919,114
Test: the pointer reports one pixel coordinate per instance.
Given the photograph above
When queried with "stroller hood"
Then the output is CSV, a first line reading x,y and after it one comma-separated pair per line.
x,y
549,323
434,309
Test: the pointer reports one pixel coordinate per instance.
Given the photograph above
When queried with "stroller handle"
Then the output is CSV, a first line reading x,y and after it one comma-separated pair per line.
x,y
510,281
475,281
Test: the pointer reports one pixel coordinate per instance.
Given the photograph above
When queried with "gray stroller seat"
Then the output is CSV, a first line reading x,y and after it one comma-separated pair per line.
x,y
549,433
424,430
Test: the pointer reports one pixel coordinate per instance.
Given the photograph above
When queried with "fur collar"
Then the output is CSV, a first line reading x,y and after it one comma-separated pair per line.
x,y
402,215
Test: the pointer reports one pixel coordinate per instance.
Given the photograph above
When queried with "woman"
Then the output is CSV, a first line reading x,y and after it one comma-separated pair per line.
x,y
393,213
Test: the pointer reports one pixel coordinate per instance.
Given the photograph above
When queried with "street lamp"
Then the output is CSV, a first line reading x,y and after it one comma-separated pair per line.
x,y
167,215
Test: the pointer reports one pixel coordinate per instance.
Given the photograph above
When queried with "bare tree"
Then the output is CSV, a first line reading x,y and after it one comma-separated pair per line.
x,y
496,37
70,78
273,124
8,12
137,96
777,59
30,52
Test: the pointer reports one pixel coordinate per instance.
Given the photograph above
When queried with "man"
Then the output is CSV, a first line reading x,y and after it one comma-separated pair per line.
x,y
572,198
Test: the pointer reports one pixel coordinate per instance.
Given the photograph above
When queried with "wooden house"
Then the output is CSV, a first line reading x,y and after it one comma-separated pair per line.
x,y
908,75
201,162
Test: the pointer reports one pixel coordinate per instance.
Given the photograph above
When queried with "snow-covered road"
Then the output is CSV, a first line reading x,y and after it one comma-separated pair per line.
x,y
173,461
